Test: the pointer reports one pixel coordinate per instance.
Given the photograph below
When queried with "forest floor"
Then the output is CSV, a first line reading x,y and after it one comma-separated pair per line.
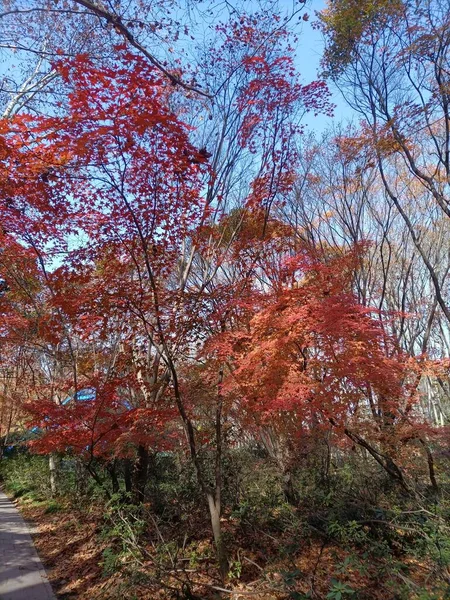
x,y
68,547
81,566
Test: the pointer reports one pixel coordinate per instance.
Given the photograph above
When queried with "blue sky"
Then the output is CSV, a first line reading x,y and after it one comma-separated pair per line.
x,y
309,53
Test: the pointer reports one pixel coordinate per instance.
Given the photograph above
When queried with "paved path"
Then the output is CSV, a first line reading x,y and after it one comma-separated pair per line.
x,y
22,576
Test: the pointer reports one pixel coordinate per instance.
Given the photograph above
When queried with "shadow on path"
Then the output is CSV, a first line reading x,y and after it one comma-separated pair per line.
x,y
22,576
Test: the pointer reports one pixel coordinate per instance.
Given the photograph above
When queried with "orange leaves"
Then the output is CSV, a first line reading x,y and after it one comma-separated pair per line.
x,y
311,352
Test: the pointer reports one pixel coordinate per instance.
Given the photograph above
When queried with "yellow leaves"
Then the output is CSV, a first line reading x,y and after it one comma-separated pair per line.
x,y
386,145
345,23
368,144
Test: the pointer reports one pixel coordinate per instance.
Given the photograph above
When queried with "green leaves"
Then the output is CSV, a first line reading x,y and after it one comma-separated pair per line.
x,y
339,590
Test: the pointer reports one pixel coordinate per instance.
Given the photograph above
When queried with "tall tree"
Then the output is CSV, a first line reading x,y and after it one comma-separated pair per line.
x,y
390,60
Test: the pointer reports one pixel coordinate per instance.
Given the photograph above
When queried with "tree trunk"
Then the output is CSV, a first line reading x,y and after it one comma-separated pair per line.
x,y
127,476
111,467
382,459
288,488
80,477
140,475
214,512
53,474
277,450
213,495
431,471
